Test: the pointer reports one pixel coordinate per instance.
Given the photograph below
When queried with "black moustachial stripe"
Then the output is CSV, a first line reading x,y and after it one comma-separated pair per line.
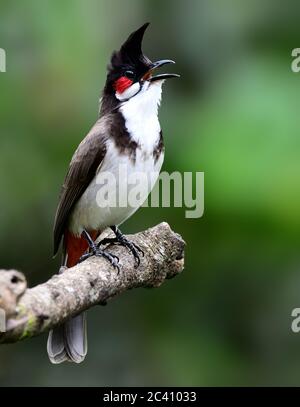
x,y
122,138
159,148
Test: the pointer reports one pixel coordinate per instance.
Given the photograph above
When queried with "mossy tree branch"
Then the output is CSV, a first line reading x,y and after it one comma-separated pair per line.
x,y
32,311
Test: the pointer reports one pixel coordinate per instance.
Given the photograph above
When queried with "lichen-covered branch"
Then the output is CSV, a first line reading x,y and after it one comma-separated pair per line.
x,y
32,311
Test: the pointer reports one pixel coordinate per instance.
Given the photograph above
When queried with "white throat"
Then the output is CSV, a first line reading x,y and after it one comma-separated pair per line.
x,y
141,115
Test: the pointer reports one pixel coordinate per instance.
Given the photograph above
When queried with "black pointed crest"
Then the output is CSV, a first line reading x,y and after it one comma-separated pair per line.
x,y
129,57
132,47
131,52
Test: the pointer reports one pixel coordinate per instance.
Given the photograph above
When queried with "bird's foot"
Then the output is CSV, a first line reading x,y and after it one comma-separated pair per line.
x,y
113,259
123,241
96,251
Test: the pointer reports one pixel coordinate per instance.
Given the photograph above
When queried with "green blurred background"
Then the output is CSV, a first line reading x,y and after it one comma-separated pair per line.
x,y
234,115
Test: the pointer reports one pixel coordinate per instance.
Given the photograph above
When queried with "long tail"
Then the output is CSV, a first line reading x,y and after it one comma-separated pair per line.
x,y
68,342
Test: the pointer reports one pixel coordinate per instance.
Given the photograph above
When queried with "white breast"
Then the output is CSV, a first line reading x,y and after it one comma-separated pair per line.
x,y
143,126
141,116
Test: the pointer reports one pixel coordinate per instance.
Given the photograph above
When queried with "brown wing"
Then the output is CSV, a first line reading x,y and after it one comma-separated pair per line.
x,y
82,170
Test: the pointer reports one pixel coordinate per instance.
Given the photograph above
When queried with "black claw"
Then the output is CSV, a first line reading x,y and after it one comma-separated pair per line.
x,y
85,256
133,248
123,241
113,259
107,240
116,257
96,251
137,261
138,249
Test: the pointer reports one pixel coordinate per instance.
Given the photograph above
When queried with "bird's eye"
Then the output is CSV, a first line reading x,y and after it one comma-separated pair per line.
x,y
129,74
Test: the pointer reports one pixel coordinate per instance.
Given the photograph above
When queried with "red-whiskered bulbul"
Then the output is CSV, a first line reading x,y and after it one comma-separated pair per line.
x,y
127,133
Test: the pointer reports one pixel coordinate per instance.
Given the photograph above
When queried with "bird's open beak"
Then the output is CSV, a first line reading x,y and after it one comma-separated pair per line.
x,y
162,76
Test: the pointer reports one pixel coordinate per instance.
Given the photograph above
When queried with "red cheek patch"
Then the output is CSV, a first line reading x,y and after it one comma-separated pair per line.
x,y
122,84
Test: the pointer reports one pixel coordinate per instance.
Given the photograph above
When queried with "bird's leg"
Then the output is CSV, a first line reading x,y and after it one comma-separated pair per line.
x,y
123,241
94,250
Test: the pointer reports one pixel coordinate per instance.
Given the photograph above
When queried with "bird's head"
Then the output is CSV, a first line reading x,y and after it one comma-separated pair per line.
x,y
130,72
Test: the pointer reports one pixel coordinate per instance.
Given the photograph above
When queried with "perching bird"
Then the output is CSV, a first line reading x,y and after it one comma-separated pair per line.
x,y
128,135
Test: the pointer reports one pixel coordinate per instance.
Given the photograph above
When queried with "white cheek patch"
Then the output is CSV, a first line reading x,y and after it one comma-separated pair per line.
x,y
129,92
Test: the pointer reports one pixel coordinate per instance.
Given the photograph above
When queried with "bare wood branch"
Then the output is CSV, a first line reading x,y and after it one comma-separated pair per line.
x,y
32,311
